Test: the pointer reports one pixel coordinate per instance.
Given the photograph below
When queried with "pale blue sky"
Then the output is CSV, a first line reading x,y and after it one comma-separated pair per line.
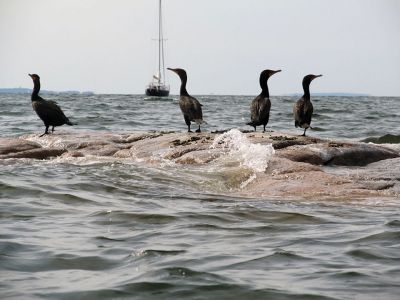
x,y
107,47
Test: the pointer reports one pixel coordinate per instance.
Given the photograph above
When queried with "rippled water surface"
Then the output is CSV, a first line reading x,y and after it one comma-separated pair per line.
x,y
102,228
334,117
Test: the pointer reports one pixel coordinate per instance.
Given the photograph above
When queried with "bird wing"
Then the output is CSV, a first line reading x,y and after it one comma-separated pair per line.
x,y
50,112
254,111
297,112
259,110
307,113
302,112
191,107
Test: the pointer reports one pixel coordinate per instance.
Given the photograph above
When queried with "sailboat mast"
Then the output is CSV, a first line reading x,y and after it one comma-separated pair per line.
x,y
162,47
159,41
157,86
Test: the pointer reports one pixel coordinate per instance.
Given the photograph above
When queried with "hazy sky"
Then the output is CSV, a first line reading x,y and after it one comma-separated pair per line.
x,y
106,46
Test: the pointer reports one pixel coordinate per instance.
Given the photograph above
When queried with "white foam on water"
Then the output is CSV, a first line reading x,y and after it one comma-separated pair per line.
x,y
254,156
47,141
84,160
249,180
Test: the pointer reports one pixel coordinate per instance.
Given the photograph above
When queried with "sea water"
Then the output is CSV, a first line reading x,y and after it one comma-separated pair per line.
x,y
104,228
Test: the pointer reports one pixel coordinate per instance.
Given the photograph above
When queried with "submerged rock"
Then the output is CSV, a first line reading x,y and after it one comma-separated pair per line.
x,y
385,139
245,163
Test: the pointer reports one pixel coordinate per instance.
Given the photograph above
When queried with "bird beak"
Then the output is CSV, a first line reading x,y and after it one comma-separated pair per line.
x,y
173,70
315,76
277,71
30,75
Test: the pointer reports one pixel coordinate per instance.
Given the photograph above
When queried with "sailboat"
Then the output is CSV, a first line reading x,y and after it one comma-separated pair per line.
x,y
158,87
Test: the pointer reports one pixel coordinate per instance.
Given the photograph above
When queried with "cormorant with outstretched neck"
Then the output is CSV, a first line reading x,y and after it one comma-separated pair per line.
x,y
261,105
48,110
303,108
190,106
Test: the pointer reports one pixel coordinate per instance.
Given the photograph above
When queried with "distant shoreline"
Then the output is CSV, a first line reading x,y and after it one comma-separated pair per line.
x,y
29,90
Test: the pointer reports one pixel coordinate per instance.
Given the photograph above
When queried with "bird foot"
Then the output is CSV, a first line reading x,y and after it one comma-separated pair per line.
x,y
198,130
43,134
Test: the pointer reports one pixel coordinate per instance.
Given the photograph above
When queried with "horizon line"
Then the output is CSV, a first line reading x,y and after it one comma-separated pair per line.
x,y
344,94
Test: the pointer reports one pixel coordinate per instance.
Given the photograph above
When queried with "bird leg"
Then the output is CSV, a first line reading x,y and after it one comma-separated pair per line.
x,y
264,128
46,131
187,121
198,130
52,129
304,133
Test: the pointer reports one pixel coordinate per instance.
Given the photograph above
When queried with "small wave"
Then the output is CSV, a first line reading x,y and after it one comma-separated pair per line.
x,y
373,255
121,216
385,236
14,248
184,275
183,290
281,217
319,129
205,277
393,223
277,257
46,261
349,275
108,239
69,198
152,253
253,156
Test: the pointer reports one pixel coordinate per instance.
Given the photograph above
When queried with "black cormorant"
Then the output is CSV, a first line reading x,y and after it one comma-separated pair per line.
x,y
48,110
261,105
190,106
303,108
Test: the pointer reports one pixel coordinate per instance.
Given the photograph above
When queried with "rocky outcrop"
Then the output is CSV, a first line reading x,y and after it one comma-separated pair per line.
x,y
301,166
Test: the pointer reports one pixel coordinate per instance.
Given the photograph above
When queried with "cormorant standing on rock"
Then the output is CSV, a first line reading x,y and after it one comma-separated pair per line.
x,y
48,110
190,106
303,108
261,105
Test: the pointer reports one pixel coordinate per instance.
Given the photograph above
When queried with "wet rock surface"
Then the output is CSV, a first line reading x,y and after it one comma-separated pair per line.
x,y
341,154
301,166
